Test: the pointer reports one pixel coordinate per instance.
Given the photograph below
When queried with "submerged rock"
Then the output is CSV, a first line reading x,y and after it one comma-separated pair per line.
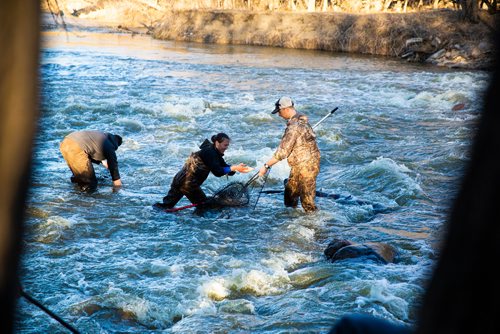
x,y
240,306
340,249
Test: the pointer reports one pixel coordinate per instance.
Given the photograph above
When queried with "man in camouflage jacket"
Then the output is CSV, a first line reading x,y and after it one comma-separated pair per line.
x,y
299,146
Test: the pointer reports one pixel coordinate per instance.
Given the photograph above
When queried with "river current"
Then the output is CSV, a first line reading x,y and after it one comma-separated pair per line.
x,y
108,262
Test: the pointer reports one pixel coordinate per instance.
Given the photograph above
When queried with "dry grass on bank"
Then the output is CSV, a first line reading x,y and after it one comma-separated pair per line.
x,y
378,34
438,36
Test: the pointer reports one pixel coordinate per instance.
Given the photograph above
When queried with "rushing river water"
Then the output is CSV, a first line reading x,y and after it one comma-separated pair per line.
x,y
109,263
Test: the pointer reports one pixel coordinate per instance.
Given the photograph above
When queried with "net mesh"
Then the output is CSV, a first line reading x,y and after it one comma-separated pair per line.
x,y
232,194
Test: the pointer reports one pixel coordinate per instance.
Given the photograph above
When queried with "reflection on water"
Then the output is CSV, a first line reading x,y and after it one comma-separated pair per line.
x,y
108,262
144,47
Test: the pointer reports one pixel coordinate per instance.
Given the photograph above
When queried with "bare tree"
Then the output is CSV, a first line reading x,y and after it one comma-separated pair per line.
x,y
311,5
470,10
325,5
492,5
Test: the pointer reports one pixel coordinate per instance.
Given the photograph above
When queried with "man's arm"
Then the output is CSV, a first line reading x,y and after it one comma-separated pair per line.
x,y
112,163
284,149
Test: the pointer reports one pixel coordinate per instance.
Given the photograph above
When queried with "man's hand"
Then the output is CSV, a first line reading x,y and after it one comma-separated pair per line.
x,y
267,166
117,183
262,171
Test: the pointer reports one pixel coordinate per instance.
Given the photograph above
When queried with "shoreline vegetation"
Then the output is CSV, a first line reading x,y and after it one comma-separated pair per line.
x,y
436,34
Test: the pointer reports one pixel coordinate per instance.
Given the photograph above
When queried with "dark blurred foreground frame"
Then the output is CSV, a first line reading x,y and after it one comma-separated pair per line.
x,y
19,48
463,295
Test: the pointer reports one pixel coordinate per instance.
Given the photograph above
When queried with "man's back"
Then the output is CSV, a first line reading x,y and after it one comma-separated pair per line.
x,y
298,144
91,142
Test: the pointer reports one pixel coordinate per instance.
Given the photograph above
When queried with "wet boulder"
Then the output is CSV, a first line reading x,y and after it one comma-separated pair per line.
x,y
340,249
334,246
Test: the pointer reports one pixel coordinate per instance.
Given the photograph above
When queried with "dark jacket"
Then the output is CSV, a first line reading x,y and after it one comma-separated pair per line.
x,y
199,165
99,146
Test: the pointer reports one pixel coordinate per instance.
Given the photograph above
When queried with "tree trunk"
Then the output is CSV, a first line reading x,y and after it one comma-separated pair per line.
x,y
325,5
470,10
387,4
492,6
311,5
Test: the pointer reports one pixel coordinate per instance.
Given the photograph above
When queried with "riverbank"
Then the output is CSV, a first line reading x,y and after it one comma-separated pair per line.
x,y
437,37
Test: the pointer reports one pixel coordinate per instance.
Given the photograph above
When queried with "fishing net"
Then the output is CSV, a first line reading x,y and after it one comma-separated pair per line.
x,y
232,194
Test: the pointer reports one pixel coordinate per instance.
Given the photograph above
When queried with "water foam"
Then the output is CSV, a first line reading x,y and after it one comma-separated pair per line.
x,y
381,291
131,125
282,261
245,281
53,229
215,289
185,107
386,174
438,101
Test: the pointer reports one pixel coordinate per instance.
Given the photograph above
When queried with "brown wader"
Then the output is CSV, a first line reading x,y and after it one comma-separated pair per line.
x,y
79,162
302,184
181,187
187,182
299,146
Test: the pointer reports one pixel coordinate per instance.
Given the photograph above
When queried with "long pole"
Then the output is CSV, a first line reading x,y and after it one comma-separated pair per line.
x,y
251,179
263,184
327,115
49,312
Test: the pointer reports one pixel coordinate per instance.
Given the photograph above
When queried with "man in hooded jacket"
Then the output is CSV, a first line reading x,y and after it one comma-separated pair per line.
x,y
81,149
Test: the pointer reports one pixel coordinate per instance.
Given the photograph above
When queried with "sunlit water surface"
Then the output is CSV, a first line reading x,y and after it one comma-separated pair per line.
x,y
109,263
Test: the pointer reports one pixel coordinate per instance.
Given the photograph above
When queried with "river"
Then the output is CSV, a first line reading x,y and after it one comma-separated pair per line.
x,y
108,262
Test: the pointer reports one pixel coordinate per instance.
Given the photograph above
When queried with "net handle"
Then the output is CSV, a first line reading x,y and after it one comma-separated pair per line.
x,y
327,115
263,184
253,178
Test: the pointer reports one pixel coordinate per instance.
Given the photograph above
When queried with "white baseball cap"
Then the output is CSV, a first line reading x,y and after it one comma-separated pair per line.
x,y
284,102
